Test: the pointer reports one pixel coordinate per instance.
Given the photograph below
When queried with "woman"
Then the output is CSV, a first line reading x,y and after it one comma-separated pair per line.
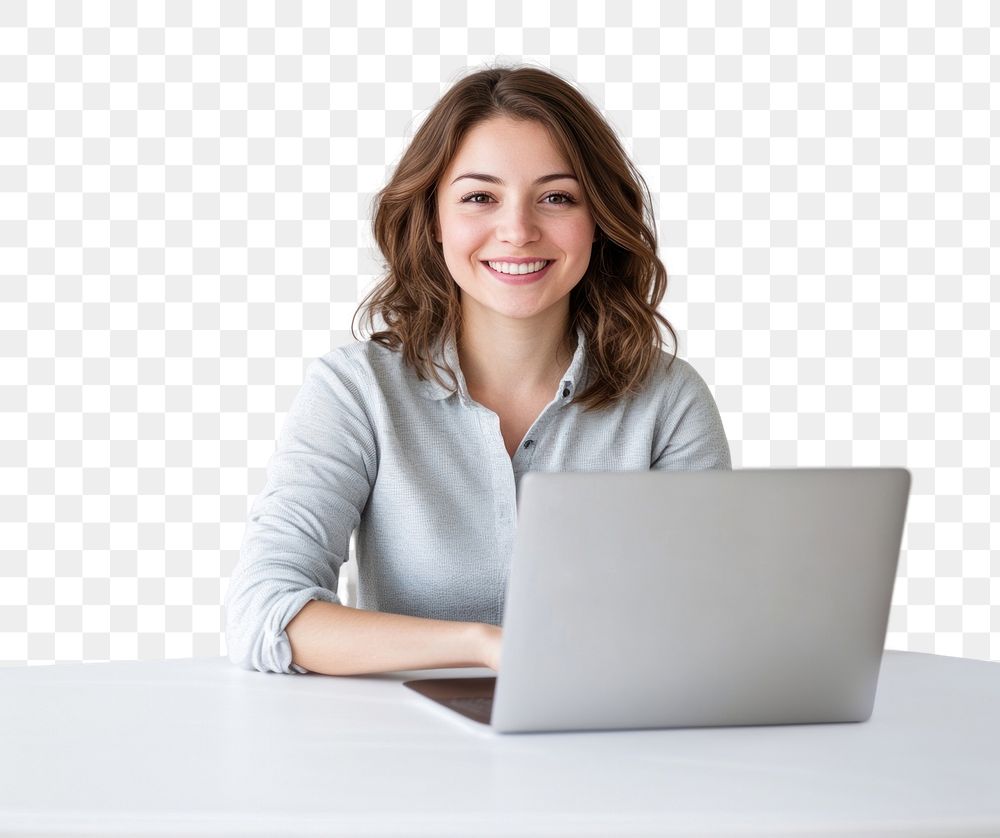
x,y
520,333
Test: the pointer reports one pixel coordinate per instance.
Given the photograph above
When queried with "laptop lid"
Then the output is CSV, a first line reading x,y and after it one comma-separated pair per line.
x,y
674,599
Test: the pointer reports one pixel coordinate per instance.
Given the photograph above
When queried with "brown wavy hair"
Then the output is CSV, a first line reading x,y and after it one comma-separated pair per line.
x,y
615,302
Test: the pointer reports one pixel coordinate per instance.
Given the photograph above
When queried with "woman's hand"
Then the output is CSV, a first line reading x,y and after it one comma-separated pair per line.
x,y
490,650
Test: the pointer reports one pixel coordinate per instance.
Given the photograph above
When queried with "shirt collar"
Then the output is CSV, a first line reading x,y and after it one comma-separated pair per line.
x,y
448,356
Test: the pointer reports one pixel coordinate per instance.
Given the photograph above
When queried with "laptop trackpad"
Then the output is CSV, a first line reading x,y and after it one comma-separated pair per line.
x,y
472,697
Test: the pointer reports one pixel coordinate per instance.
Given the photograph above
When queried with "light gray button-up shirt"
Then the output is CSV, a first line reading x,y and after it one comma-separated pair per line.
x,y
423,475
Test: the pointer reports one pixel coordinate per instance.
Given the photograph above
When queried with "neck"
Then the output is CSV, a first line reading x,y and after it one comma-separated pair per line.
x,y
501,356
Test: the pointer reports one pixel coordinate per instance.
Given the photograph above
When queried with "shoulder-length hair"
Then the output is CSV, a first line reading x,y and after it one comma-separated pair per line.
x,y
616,300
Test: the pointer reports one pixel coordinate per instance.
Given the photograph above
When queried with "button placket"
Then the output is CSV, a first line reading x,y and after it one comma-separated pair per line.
x,y
526,450
505,498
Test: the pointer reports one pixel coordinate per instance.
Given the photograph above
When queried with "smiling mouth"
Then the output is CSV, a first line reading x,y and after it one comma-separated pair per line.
x,y
518,274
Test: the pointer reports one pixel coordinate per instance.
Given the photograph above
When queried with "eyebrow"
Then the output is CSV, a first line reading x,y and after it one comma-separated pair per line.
x,y
495,179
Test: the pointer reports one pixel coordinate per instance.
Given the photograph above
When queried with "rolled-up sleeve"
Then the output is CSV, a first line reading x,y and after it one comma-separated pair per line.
x,y
299,528
690,433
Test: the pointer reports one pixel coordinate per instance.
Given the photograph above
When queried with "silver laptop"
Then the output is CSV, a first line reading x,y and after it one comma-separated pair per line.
x,y
687,599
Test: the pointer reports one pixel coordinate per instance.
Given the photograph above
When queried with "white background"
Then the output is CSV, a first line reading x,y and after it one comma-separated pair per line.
x,y
185,193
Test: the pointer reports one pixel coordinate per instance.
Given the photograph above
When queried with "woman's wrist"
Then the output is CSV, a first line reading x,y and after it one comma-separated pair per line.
x,y
488,652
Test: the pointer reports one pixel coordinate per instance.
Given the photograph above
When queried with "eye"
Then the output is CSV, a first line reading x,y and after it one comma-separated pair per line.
x,y
565,196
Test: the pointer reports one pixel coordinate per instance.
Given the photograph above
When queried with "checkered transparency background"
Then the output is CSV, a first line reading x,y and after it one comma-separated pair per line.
x,y
185,196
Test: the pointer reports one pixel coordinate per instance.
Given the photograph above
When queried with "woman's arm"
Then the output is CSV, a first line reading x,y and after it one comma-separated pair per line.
x,y
334,639
298,532
691,434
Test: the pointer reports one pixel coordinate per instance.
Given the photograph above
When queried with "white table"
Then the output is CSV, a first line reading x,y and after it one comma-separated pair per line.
x,y
201,747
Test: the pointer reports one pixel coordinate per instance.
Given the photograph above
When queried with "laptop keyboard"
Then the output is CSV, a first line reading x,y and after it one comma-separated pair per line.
x,y
478,709
471,697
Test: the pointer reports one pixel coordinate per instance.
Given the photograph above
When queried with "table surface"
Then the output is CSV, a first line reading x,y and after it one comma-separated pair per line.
x,y
201,747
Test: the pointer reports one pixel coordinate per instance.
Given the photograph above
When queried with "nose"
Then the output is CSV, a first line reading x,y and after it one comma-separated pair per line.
x,y
516,223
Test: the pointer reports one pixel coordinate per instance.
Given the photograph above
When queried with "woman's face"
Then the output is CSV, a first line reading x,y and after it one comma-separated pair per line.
x,y
516,214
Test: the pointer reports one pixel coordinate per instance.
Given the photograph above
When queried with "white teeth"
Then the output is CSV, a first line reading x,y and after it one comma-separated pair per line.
x,y
526,268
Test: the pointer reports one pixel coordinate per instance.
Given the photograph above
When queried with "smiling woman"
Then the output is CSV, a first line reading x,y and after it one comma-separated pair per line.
x,y
521,264
515,164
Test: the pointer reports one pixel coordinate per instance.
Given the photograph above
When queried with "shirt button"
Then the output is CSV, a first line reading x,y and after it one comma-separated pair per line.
x,y
529,443
565,392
